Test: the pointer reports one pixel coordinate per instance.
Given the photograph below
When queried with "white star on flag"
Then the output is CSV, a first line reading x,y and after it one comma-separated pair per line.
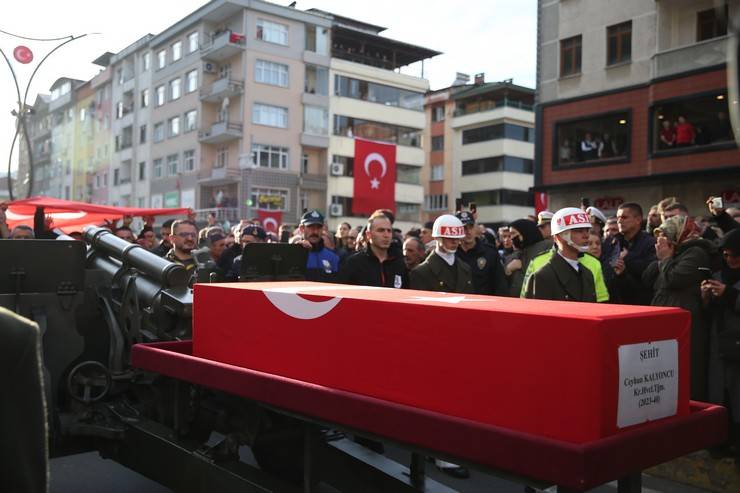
x,y
374,183
451,299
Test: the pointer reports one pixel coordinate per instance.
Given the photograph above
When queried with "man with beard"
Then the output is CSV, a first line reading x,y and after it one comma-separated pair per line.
x,y
323,263
184,239
483,259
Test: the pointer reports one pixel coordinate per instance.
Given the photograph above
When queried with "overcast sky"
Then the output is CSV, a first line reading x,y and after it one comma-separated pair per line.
x,y
497,37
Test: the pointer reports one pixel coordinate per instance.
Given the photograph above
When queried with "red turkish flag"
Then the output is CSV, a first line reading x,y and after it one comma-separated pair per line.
x,y
540,202
375,176
270,220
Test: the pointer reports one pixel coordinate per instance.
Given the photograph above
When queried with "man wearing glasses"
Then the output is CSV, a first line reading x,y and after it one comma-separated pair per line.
x,y
184,240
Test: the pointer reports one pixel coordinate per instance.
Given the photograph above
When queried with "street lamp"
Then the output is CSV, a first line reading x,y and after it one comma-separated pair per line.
x,y
23,54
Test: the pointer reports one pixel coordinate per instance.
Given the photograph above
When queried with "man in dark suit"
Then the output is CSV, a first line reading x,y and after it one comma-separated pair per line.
x,y
563,278
442,271
23,446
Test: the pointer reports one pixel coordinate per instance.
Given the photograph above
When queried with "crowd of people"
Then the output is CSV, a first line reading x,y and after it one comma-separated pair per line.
x,y
669,257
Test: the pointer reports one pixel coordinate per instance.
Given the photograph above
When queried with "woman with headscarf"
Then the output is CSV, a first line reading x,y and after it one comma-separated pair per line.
x,y
683,262
528,243
722,295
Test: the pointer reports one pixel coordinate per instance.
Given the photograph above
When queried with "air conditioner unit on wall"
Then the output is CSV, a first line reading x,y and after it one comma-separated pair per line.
x,y
337,169
209,67
336,210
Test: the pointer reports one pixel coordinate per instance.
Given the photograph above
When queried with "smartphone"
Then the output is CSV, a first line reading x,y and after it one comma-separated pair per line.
x,y
718,203
706,272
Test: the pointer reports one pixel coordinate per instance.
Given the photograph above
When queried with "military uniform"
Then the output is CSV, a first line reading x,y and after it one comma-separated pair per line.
x,y
586,260
434,274
487,270
558,280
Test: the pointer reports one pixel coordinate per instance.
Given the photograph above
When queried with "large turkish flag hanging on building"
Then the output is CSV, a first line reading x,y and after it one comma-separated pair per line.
x,y
375,176
271,220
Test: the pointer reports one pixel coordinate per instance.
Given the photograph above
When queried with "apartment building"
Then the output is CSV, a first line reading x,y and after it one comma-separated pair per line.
x,y
480,149
615,82
62,106
38,127
102,140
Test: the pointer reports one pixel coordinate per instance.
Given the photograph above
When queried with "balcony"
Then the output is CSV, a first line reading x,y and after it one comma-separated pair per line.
x,y
695,56
489,105
223,46
222,214
310,181
222,88
221,132
218,176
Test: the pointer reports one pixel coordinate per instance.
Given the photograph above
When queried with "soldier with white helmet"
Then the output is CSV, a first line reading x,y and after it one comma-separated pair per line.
x,y
441,271
563,277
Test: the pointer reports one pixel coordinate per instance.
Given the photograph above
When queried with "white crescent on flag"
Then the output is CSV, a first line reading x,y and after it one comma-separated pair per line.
x,y
290,303
372,157
270,224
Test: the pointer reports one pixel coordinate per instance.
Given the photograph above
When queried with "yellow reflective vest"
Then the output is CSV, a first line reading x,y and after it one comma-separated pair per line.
x,y
587,260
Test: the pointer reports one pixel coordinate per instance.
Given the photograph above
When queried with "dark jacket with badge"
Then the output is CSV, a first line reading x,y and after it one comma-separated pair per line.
x,y
486,267
558,280
629,287
322,264
363,268
434,274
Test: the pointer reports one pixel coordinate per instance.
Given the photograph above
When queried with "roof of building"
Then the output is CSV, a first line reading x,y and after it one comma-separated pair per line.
x,y
370,49
472,90
349,22
104,59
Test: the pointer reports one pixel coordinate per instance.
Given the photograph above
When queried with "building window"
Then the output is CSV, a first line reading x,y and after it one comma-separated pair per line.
x,y
350,127
594,139
160,95
142,134
275,74
570,56
157,168
173,125
188,160
317,39
267,156
222,157
272,116
142,171
269,199
498,131
691,124
495,164
172,164
158,135
435,202
438,173
144,102
315,120
272,32
176,51
438,143
191,79
406,173
192,42
97,181
317,80
499,197
191,120
378,93
175,89
711,23
146,61
304,163
619,43
161,59
407,211
438,113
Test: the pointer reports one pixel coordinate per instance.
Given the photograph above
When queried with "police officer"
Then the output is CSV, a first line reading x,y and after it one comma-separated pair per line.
x,y
441,271
563,277
323,263
483,259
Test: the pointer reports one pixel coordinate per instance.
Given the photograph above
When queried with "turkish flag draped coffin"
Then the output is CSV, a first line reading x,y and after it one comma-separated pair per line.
x,y
569,371
270,220
374,177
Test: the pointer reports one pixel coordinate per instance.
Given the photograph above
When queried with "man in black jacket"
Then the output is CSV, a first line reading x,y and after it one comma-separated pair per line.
x,y
483,259
377,264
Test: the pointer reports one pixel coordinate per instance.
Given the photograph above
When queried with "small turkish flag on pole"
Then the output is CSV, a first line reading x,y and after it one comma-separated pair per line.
x,y
540,202
374,176
270,220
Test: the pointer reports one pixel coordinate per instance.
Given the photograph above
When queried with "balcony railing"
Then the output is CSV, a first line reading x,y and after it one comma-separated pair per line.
x,y
691,57
221,132
222,214
491,105
222,88
223,46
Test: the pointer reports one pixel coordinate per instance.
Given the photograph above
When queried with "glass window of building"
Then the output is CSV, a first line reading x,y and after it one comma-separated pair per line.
x,y
174,126
175,89
272,116
317,39
272,32
570,56
619,43
438,113
269,156
304,163
191,81
161,59
378,93
191,120
146,61
438,173
275,74
438,143
222,157
498,131
172,164
495,164
269,199
176,51
160,95
592,140
158,134
192,42
435,202
188,160
157,168
350,127
711,23
691,124
142,170
499,197
315,120
406,173
317,80
142,134
144,102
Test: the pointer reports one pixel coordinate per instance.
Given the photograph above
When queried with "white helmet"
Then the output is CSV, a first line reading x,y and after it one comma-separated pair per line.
x,y
569,218
448,226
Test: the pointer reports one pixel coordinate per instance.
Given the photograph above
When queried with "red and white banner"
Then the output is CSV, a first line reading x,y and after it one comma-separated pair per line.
x,y
271,220
540,202
375,176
